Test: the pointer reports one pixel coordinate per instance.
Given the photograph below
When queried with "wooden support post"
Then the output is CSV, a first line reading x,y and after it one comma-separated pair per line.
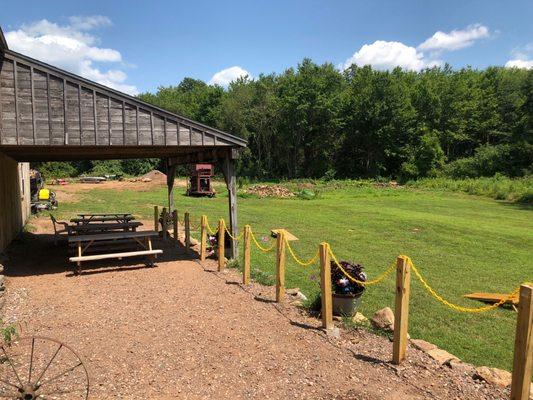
x,y
156,218
187,223
523,346
401,309
203,239
228,169
221,245
171,174
175,224
280,267
164,223
246,266
325,286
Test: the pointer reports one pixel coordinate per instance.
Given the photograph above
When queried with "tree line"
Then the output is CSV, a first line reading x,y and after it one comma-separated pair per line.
x,y
315,121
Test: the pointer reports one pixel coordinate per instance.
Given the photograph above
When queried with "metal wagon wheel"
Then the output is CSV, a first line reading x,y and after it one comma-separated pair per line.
x,y
41,368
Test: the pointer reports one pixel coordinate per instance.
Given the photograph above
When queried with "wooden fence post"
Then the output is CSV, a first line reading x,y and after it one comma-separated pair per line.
x,y
164,224
156,218
401,309
523,346
325,286
221,245
203,239
246,266
187,223
280,267
175,223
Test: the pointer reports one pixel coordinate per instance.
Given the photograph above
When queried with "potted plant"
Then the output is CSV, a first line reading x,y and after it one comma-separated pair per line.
x,y
347,293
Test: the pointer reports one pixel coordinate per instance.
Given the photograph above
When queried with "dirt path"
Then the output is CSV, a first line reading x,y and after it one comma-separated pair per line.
x,y
181,330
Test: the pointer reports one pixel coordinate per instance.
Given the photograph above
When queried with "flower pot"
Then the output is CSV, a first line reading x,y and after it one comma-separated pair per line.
x,y
346,304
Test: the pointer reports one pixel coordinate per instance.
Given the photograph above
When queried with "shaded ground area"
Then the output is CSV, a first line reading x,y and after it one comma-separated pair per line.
x,y
182,330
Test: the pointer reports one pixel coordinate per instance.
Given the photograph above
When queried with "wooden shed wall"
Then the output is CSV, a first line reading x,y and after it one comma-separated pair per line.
x,y
40,106
14,198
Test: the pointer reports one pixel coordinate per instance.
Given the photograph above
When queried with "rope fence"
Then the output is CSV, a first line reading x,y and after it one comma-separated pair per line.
x,y
403,265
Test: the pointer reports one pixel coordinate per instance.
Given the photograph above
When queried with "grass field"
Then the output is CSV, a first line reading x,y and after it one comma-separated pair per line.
x,y
460,243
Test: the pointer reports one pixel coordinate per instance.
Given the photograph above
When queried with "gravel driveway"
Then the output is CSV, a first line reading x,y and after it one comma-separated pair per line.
x,y
182,330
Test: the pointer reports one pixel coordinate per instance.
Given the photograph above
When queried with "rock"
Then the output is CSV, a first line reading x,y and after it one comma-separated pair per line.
x,y
458,365
423,345
1,269
441,356
292,291
360,319
337,318
146,180
494,376
333,333
383,319
194,242
297,303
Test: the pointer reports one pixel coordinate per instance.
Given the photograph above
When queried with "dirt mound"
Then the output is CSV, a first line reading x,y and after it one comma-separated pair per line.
x,y
154,176
270,191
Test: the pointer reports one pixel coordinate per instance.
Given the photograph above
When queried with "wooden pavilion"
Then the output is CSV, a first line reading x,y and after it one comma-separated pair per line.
x,y
48,114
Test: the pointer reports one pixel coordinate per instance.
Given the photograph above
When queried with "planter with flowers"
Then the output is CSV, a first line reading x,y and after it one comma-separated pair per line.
x,y
347,293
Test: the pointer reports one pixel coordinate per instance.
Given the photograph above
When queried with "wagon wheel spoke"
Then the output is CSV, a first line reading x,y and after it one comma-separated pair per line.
x,y
9,384
47,381
12,366
50,362
31,358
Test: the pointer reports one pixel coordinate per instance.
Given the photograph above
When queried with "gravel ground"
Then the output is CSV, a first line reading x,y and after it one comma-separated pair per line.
x,y
182,330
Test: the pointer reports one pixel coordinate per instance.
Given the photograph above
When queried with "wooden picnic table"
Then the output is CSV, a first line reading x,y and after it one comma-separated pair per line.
x,y
104,227
106,218
106,241
102,217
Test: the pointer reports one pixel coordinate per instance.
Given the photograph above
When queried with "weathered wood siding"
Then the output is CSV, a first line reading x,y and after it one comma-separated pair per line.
x,y
41,105
14,198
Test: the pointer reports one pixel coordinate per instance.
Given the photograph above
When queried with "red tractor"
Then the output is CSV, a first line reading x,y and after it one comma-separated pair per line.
x,y
199,183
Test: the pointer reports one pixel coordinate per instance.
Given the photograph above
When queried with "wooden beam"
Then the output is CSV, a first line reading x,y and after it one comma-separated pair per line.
x,y
79,114
95,122
221,245
32,93
171,174
137,123
228,169
401,310
65,130
523,347
151,127
325,287
280,267
246,267
15,79
49,108
109,127
123,123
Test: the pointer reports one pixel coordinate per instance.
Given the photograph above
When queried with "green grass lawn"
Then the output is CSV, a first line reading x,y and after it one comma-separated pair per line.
x,y
460,243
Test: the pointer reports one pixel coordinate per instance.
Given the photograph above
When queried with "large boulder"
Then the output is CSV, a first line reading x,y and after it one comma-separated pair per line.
x,y
494,376
423,345
441,356
383,319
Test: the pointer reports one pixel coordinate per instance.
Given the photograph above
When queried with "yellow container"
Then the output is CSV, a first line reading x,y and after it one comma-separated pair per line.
x,y
44,194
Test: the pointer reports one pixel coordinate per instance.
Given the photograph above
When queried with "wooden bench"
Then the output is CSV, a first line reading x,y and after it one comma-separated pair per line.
x,y
105,227
85,242
88,218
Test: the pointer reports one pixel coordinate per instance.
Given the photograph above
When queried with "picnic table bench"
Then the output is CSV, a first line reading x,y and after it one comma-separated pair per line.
x,y
84,242
105,227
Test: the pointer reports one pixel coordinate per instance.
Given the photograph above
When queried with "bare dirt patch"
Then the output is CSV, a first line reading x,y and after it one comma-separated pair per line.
x,y
270,191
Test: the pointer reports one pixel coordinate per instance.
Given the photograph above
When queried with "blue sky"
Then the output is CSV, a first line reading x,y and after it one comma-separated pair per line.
x,y
138,46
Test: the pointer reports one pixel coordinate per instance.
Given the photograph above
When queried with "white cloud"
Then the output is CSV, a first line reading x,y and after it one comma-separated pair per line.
x,y
71,47
522,57
526,64
387,55
228,75
456,39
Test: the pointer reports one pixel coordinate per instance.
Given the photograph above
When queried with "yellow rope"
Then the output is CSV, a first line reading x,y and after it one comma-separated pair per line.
x,y
455,306
366,283
302,263
239,237
263,249
211,231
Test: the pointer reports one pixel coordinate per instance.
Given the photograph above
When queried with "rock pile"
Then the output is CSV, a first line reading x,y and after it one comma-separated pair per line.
x,y
269,191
